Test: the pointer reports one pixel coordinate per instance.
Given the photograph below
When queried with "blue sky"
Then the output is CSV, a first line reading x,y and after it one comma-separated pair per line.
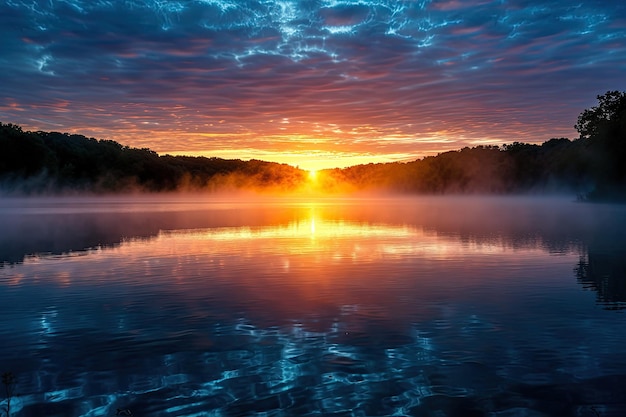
x,y
315,83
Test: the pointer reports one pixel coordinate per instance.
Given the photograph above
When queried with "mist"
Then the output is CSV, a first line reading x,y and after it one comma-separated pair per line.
x,y
63,224
52,163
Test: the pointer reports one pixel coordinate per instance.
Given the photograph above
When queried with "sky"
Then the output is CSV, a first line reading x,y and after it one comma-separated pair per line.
x,y
312,83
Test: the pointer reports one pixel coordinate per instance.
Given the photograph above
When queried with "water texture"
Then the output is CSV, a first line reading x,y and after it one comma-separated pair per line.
x,y
206,306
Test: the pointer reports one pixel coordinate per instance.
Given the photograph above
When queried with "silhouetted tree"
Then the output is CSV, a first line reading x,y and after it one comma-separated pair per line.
x,y
23,154
53,161
608,118
604,128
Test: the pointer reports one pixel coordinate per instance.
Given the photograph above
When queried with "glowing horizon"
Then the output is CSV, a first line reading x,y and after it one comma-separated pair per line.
x,y
312,84
308,161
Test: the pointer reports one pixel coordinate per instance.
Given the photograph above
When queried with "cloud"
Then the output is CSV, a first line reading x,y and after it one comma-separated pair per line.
x,y
156,73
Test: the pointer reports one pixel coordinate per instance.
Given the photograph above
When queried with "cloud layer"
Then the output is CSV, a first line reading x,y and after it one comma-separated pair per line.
x,y
286,80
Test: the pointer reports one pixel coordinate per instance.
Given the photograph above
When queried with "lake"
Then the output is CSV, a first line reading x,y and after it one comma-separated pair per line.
x,y
195,305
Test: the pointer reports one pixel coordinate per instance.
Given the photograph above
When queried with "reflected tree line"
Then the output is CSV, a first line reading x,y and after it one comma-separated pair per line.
x,y
590,166
601,243
605,273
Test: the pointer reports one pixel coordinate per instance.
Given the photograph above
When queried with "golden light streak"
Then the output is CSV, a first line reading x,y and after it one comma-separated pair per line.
x,y
307,160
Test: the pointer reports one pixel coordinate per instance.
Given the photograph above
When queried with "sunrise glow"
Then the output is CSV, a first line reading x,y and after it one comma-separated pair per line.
x,y
311,84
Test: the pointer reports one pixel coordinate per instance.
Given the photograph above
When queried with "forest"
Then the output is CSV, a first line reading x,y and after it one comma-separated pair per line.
x,y
590,167
52,162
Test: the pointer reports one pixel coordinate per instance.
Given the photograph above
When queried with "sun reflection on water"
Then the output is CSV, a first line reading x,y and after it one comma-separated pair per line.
x,y
300,241
313,227
311,299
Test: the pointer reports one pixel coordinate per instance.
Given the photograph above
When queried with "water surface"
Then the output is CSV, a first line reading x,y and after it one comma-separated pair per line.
x,y
200,306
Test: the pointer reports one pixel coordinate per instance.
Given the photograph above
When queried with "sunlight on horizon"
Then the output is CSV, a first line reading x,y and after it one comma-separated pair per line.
x,y
308,161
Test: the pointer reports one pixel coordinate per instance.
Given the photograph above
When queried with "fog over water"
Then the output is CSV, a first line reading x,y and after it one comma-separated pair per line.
x,y
63,224
197,305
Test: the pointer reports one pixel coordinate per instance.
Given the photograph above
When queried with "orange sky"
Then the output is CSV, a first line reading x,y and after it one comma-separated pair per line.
x,y
312,84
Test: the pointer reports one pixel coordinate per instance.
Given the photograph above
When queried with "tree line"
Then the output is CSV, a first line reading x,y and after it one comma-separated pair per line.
x,y
51,162
592,166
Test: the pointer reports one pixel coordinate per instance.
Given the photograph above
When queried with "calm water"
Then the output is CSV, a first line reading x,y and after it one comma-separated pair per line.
x,y
367,307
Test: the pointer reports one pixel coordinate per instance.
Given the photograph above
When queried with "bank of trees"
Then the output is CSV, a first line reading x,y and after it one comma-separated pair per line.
x,y
592,166
603,129
558,165
50,162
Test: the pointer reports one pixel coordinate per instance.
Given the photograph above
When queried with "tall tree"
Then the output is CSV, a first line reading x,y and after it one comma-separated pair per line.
x,y
607,118
604,128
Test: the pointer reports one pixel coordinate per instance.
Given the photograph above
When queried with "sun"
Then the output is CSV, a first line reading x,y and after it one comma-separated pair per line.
x,y
312,175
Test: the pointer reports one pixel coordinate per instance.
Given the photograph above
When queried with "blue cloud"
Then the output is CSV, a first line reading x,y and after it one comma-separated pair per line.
x,y
463,70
